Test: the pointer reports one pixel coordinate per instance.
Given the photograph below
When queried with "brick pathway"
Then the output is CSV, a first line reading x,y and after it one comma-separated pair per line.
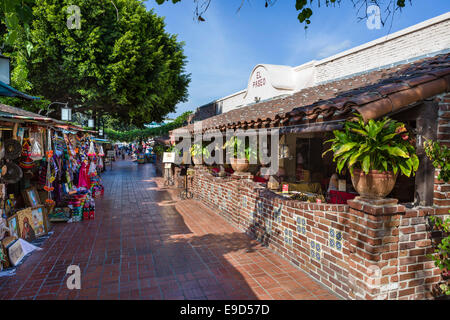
x,y
144,244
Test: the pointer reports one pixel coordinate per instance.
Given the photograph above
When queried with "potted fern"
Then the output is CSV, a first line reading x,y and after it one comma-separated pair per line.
x,y
240,160
375,153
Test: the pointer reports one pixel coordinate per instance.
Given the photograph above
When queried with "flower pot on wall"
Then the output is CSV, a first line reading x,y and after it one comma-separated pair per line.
x,y
197,161
374,185
239,165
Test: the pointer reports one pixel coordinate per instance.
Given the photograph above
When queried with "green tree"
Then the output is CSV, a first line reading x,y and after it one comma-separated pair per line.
x,y
142,134
305,7
119,62
16,17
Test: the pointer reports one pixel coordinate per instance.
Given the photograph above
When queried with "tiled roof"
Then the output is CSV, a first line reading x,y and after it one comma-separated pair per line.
x,y
16,113
372,94
10,111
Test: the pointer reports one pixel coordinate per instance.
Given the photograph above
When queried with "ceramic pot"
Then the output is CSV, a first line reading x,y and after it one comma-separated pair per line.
x,y
239,165
374,185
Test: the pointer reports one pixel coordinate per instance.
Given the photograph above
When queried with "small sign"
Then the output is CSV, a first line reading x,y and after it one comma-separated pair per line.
x,y
285,188
111,154
169,157
167,165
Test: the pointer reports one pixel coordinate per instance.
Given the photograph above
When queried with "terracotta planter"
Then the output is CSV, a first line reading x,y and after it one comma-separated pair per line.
x,y
374,185
239,165
197,161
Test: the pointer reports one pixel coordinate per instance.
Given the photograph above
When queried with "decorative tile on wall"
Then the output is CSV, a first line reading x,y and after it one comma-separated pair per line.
x,y
288,236
277,213
315,250
259,207
268,225
301,225
335,239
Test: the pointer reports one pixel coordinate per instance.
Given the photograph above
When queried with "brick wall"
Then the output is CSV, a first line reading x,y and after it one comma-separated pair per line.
x,y
362,250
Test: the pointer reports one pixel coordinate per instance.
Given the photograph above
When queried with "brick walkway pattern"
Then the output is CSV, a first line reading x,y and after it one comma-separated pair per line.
x,y
146,244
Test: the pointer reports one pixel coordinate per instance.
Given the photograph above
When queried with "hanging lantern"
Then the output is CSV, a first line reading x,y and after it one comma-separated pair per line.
x,y
66,114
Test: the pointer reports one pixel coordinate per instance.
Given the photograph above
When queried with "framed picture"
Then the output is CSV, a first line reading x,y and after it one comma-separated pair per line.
x,y
15,252
13,226
25,223
32,197
39,224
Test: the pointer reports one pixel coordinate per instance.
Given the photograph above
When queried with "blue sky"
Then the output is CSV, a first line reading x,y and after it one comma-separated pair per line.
x,y
223,50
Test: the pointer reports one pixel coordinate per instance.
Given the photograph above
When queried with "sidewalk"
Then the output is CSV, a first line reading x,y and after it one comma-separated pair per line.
x,y
146,244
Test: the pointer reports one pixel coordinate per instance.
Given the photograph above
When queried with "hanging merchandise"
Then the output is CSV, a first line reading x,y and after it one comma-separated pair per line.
x,y
92,169
49,178
26,162
59,146
83,177
100,164
91,152
101,153
37,152
11,172
13,149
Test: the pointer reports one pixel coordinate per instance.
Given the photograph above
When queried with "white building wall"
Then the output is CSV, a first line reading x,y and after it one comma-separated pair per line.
x,y
420,40
427,38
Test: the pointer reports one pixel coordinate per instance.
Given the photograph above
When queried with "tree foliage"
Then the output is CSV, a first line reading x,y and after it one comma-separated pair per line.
x,y
16,17
305,7
142,134
119,62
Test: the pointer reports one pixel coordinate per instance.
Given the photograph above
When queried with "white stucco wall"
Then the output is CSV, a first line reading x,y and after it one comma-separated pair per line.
x,y
425,38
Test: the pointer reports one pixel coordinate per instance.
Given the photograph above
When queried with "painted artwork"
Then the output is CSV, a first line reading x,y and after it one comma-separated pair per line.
x,y
16,253
38,221
25,222
33,197
13,226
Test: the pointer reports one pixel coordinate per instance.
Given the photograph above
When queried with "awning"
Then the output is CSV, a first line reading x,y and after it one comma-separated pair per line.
x,y
8,91
99,140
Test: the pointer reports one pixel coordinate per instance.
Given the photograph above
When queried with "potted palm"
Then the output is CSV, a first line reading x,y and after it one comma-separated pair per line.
x,y
375,153
240,160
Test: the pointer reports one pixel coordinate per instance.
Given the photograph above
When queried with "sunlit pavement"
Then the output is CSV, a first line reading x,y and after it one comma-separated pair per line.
x,y
146,244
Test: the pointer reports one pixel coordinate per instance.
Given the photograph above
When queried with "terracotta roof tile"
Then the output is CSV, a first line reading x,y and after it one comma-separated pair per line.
x,y
373,94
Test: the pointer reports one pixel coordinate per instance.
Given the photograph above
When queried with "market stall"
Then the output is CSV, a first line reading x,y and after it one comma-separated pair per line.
x,y
49,173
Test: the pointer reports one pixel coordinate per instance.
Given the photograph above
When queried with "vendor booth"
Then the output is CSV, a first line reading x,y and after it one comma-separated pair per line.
x,y
49,173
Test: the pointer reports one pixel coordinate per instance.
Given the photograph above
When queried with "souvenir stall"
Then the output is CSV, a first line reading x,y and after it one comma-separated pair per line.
x,y
72,176
48,174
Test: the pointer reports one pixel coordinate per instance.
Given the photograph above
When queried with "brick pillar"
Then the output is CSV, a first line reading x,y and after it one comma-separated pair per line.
x,y
374,248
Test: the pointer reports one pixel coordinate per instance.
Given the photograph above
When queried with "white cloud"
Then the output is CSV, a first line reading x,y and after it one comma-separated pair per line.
x,y
333,48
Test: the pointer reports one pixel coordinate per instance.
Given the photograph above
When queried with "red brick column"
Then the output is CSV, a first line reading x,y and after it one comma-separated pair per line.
x,y
374,248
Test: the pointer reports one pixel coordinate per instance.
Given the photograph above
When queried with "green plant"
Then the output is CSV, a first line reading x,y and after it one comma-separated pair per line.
x,y
238,145
197,150
158,149
383,145
441,256
440,157
173,148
